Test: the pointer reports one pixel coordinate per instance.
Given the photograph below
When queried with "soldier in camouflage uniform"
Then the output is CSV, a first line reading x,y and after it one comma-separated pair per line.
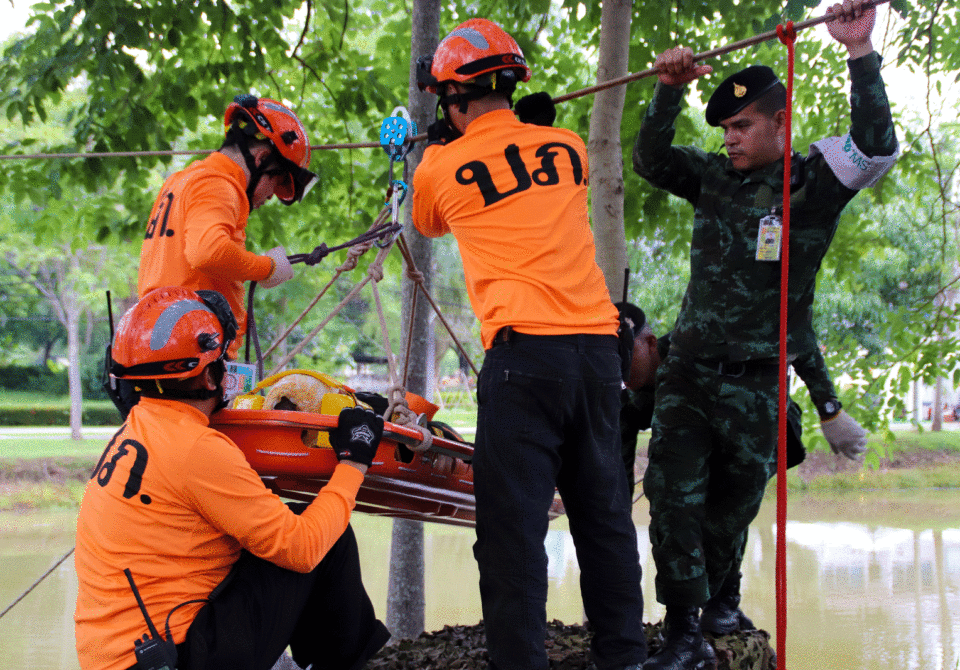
x,y
713,445
844,435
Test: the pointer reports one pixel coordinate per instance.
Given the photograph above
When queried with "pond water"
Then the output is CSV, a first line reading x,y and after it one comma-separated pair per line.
x,y
873,581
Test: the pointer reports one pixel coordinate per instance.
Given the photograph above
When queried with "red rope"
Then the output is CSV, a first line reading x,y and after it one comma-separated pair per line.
x,y
788,36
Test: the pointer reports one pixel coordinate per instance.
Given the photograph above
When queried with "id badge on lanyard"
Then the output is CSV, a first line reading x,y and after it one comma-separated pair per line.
x,y
769,237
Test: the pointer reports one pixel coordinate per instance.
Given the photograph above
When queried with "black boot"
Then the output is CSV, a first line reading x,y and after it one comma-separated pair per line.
x,y
684,647
722,614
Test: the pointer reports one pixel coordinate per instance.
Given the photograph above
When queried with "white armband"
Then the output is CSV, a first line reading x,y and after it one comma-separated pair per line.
x,y
852,167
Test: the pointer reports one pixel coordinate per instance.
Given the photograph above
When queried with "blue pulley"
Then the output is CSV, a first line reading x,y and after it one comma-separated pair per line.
x,y
396,134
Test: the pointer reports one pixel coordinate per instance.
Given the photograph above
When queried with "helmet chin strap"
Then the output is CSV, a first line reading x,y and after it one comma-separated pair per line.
x,y
256,171
218,368
463,99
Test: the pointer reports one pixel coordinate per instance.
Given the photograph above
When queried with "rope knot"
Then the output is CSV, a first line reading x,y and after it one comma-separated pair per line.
x,y
375,271
415,275
787,34
318,254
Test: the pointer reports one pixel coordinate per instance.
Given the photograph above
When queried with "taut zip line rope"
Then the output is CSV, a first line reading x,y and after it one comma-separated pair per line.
x,y
620,81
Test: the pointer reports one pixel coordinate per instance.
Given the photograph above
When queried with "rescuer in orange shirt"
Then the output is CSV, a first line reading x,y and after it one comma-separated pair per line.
x,y
515,197
196,233
230,573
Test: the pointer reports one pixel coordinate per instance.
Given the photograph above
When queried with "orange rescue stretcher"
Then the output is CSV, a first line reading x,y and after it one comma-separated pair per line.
x,y
399,483
291,452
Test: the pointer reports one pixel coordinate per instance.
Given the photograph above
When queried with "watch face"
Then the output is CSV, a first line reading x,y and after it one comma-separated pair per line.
x,y
830,407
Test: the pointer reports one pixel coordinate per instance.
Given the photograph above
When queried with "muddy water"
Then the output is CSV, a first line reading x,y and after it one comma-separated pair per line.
x,y
873,581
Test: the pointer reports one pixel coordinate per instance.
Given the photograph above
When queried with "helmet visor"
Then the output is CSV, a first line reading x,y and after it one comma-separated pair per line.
x,y
295,185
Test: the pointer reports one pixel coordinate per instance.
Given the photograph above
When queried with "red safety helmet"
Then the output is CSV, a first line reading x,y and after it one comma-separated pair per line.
x,y
266,119
474,48
172,333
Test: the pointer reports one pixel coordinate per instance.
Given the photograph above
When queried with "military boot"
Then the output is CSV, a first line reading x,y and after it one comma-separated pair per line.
x,y
684,647
722,614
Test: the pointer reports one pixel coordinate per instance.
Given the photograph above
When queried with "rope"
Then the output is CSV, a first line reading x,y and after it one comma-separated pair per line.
x,y
348,265
788,36
727,48
418,277
620,81
37,583
358,246
320,252
381,254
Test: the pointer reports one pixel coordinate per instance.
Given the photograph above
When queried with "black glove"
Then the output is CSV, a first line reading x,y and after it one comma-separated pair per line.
x,y
357,435
440,132
377,402
536,108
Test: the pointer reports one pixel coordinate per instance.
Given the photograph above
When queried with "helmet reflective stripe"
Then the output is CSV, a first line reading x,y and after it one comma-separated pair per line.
x,y
473,36
167,321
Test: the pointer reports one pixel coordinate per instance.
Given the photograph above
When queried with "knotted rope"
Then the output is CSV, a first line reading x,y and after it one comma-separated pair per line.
x,y
348,265
358,245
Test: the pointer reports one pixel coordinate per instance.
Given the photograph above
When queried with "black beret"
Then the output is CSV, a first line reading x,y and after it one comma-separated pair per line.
x,y
630,311
739,90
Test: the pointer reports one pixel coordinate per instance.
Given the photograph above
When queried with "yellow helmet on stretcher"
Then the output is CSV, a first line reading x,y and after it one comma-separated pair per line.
x,y
301,391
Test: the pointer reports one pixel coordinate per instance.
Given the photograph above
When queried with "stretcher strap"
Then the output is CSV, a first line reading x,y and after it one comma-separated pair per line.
x,y
788,36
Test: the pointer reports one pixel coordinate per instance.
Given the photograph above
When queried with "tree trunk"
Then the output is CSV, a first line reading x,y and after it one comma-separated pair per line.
x,y
604,148
917,409
936,408
405,597
71,308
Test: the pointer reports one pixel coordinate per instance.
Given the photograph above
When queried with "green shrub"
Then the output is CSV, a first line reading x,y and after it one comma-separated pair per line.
x,y
52,416
33,378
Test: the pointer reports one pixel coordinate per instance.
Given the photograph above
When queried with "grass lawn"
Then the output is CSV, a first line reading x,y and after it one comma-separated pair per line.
x,y
27,448
909,440
41,401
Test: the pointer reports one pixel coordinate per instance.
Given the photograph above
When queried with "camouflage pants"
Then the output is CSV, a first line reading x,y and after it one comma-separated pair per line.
x,y
712,450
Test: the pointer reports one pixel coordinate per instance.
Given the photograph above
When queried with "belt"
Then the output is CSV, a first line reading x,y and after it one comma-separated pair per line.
x,y
740,368
507,335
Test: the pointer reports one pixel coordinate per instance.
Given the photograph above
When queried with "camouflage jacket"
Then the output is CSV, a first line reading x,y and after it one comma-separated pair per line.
x,y
812,369
731,307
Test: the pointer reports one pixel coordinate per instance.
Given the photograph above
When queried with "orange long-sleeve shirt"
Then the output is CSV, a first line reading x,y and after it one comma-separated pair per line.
x,y
174,501
196,235
515,197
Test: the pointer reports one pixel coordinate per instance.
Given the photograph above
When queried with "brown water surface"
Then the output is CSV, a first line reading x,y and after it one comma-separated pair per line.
x,y
873,581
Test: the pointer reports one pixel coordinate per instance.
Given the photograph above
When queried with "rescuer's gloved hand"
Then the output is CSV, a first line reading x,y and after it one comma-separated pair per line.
x,y
845,435
282,270
357,435
536,108
440,132
377,402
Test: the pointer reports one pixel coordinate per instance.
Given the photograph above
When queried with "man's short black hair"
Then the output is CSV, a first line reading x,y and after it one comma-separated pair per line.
x,y
773,100
634,314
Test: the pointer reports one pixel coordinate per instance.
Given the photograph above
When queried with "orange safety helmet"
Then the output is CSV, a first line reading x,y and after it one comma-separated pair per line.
x,y
474,48
264,119
172,333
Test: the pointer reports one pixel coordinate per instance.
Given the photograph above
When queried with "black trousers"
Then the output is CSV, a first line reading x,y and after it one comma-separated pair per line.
x,y
548,420
325,616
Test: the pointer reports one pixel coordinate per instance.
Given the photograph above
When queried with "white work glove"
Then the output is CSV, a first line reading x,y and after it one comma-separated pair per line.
x,y
282,270
845,435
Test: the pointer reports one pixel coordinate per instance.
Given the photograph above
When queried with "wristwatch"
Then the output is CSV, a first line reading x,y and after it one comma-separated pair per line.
x,y
829,409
